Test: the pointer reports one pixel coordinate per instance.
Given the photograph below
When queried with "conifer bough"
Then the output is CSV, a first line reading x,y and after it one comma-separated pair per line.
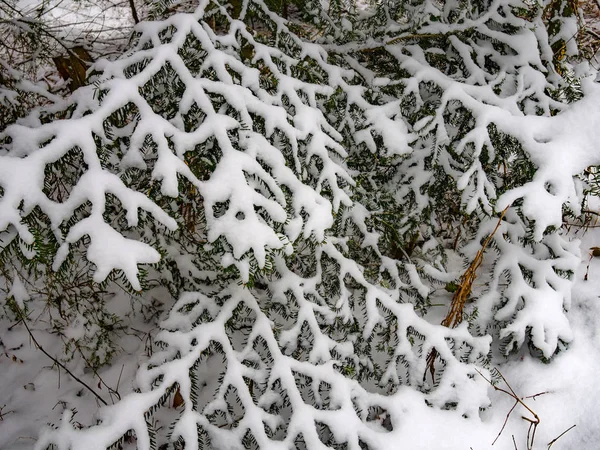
x,y
306,203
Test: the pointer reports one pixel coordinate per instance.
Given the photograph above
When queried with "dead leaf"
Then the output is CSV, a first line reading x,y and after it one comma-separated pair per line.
x,y
177,399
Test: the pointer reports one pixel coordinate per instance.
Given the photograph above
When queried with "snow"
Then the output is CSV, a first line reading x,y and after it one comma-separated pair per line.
x,y
272,366
569,381
18,292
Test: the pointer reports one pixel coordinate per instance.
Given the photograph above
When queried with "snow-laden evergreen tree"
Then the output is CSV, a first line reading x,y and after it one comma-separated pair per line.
x,y
353,218
463,76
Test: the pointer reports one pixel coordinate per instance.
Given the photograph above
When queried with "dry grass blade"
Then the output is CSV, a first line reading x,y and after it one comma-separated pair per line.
x,y
459,299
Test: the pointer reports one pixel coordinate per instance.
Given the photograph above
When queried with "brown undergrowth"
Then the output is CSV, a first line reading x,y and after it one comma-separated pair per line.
x,y
459,299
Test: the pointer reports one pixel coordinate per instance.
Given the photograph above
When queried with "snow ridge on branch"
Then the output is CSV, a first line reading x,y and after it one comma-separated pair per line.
x,y
309,205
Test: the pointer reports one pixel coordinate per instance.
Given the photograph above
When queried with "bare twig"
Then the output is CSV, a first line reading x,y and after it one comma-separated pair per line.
x,y
14,325
134,13
551,443
111,391
57,362
533,423
516,397
595,252
537,395
505,422
119,380
3,413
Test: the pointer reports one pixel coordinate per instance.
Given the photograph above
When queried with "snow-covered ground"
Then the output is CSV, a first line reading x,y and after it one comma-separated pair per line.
x,y
34,393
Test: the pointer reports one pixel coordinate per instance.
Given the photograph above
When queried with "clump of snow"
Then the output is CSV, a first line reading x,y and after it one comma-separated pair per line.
x,y
18,292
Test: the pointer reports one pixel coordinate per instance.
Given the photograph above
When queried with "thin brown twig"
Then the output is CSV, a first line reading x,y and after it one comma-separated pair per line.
x,y
587,270
3,413
514,394
14,325
530,433
134,13
57,362
551,443
533,423
119,380
505,422
537,395
111,391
